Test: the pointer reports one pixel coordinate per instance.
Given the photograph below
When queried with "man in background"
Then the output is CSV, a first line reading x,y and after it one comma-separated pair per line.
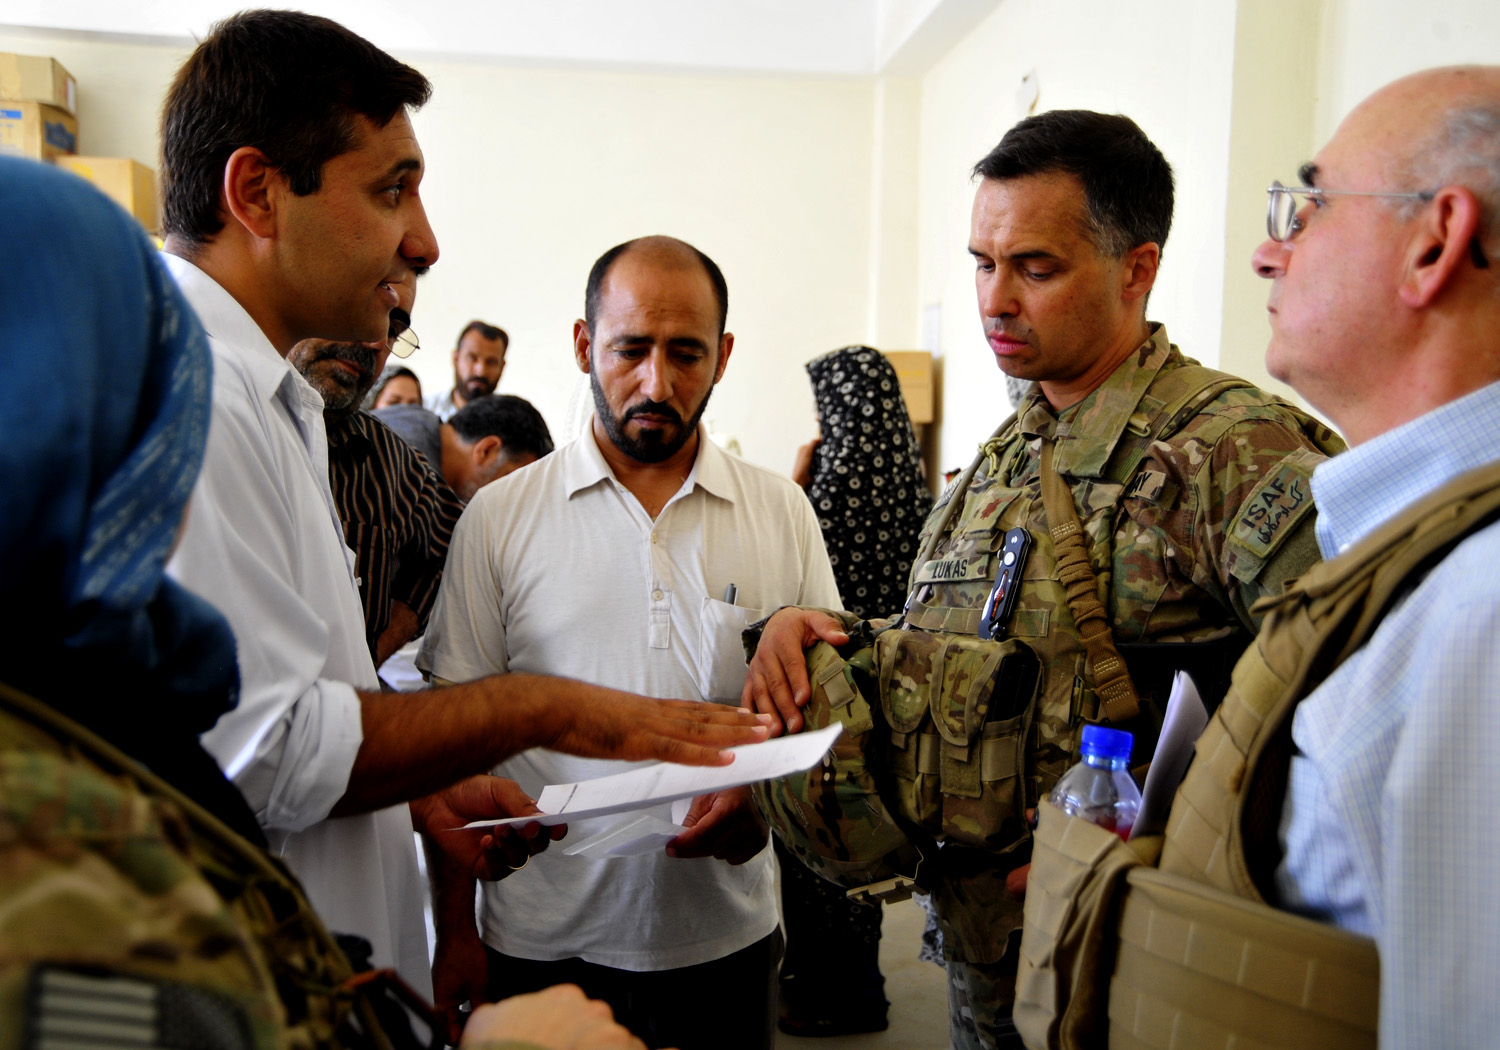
x,y
483,442
480,443
478,360
633,556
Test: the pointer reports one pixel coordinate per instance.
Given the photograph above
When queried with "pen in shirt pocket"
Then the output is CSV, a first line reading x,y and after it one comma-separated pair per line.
x,y
730,594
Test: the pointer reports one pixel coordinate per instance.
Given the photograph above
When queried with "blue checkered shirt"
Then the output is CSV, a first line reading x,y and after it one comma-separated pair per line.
x,y
1392,818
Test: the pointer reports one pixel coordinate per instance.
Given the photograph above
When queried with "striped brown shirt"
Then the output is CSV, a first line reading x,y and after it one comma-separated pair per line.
x,y
398,516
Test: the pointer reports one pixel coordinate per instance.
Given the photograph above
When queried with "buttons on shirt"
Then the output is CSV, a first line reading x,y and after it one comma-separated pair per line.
x,y
653,537
656,595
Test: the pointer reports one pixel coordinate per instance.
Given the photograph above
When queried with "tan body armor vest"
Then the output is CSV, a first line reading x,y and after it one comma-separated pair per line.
x,y
1190,949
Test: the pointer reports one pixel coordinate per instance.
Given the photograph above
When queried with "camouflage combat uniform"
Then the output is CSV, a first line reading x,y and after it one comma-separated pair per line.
x,y
1216,514
130,915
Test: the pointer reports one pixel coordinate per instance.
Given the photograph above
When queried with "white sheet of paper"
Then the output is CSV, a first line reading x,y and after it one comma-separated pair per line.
x,y
667,781
644,834
1184,722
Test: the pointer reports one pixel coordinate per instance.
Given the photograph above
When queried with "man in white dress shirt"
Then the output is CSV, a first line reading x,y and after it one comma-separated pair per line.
x,y
1385,314
291,183
632,557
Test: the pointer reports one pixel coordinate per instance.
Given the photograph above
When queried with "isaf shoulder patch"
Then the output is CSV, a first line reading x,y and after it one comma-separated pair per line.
x,y
1274,510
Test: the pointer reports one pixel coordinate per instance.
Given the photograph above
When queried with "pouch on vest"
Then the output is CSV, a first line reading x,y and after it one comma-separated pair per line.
x,y
1174,962
833,816
959,711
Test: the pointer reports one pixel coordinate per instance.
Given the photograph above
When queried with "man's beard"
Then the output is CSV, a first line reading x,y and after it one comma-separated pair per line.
x,y
474,388
342,392
653,446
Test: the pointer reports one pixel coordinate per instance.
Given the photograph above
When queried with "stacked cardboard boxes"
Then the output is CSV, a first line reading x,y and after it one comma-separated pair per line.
x,y
38,107
39,118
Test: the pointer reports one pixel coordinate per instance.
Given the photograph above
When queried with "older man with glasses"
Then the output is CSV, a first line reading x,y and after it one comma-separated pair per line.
x,y
1385,315
398,514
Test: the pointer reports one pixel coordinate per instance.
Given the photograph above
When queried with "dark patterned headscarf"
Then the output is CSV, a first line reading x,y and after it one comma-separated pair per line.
x,y
105,404
867,486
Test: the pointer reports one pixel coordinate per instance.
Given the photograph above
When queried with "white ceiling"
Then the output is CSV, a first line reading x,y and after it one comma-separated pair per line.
x,y
859,38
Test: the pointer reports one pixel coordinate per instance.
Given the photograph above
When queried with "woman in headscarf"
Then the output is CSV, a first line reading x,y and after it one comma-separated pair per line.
x,y
864,477
105,401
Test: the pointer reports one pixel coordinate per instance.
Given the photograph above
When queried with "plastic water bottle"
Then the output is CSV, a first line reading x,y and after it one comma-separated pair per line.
x,y
1099,788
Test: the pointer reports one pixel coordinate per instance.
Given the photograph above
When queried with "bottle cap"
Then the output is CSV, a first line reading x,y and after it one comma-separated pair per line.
x,y
1103,742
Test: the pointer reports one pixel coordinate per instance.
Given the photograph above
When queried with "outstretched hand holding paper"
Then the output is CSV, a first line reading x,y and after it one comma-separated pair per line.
x,y
667,782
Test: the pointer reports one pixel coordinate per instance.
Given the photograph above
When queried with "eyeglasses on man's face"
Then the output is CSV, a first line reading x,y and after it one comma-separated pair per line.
x,y
1283,224
402,341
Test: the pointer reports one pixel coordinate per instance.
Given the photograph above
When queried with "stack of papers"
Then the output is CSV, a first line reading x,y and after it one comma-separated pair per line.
x,y
660,782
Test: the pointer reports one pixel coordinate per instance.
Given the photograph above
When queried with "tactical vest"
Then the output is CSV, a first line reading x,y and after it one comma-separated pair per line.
x,y
128,911
1191,946
951,738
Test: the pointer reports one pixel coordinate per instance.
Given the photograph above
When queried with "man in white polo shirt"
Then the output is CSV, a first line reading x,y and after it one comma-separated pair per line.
x,y
632,557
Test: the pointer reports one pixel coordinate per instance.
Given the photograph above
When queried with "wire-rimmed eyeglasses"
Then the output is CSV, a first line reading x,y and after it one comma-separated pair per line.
x,y
1281,214
402,340
1283,224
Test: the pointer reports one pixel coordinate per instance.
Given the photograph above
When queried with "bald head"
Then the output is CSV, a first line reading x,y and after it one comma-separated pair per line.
x,y
1436,128
658,252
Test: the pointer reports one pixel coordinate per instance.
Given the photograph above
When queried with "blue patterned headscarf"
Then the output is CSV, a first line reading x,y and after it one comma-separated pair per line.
x,y
104,397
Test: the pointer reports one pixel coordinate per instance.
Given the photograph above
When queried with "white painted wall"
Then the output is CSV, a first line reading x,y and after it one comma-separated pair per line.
x,y
1369,43
839,206
534,173
1165,63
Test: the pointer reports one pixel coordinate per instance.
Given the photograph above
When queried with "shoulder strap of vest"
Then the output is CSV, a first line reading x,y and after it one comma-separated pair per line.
x,y
1112,680
1177,395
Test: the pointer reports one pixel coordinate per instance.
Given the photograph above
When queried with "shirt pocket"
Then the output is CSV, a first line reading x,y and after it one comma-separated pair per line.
x,y
720,670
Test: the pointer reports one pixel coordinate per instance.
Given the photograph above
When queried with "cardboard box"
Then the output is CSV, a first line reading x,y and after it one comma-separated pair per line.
x,y
914,371
32,129
129,184
32,78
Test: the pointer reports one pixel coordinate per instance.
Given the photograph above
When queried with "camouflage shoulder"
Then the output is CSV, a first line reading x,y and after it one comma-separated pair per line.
x,y
100,904
1252,467
1250,404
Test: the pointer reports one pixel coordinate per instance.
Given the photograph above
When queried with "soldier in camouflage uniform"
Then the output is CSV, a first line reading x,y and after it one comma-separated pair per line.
x,y
1192,491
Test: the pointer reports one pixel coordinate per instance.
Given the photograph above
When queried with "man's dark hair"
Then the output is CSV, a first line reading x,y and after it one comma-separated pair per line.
x,y
1127,183
514,420
287,83
602,267
488,331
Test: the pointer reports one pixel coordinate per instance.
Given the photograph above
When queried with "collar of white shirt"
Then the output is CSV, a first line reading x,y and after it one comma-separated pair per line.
x,y
1359,490
238,336
710,468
